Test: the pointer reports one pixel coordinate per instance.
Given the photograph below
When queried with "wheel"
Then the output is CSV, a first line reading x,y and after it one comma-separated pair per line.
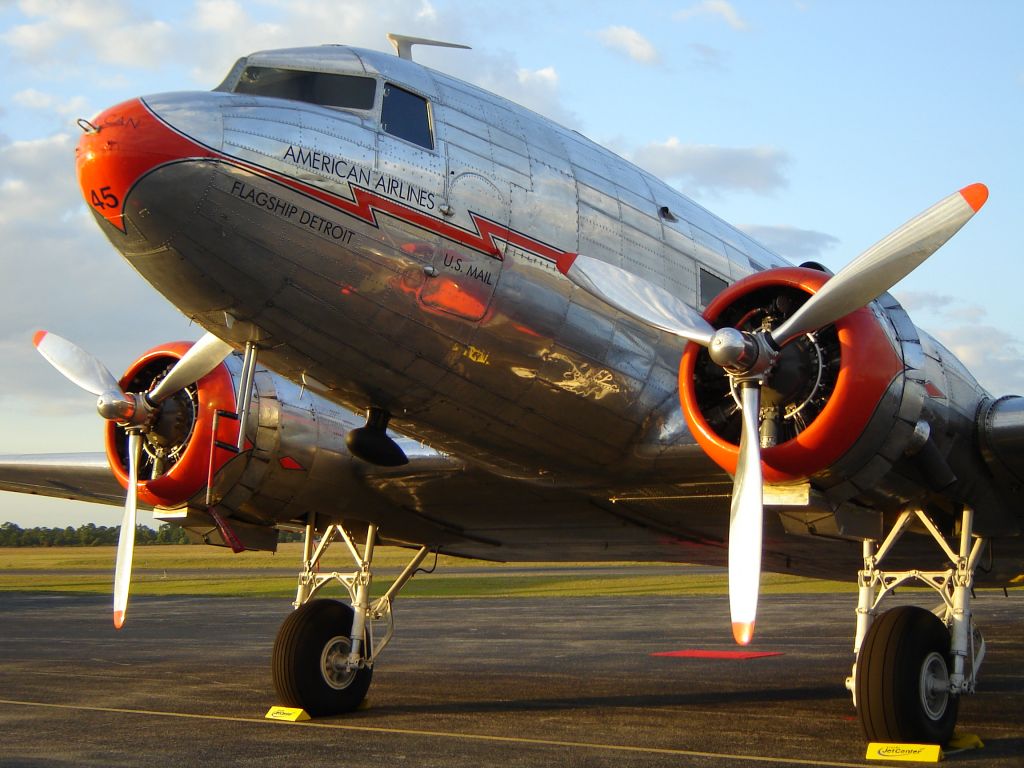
x,y
902,682
309,660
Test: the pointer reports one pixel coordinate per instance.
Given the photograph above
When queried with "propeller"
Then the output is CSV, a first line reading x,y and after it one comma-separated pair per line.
x,y
745,520
201,358
126,539
749,356
135,412
76,364
884,264
649,303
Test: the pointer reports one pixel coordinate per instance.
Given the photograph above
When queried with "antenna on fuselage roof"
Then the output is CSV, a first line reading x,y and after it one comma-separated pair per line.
x,y
403,44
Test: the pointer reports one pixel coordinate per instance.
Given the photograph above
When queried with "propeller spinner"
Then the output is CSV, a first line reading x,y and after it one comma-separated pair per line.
x,y
749,356
136,412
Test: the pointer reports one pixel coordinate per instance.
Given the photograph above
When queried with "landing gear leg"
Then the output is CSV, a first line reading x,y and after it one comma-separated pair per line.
x,y
324,652
912,666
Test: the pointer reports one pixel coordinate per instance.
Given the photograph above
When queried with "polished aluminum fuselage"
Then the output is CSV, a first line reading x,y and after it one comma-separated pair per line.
x,y
475,343
422,280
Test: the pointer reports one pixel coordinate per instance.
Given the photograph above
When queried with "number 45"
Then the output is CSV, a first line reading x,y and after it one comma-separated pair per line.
x,y
105,198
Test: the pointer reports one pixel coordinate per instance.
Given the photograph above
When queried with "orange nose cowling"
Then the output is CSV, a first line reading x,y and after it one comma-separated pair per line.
x,y
125,143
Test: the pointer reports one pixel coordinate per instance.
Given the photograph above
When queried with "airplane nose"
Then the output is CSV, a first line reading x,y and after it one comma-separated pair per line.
x,y
121,145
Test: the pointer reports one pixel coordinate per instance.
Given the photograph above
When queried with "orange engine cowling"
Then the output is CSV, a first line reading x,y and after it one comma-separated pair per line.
x,y
826,389
180,451
294,459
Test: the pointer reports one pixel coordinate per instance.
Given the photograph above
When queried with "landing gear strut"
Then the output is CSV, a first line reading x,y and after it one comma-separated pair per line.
x,y
324,652
912,666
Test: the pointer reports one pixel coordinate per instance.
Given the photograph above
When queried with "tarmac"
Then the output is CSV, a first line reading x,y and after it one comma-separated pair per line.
x,y
502,682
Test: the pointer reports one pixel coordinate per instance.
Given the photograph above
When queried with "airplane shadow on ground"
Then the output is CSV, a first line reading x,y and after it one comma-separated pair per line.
x,y
993,748
709,700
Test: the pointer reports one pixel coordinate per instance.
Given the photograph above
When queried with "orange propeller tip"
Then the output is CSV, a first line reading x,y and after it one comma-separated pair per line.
x,y
37,337
743,632
975,195
118,619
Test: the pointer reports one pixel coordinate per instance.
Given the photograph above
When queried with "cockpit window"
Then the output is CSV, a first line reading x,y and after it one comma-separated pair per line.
x,y
710,286
349,91
407,116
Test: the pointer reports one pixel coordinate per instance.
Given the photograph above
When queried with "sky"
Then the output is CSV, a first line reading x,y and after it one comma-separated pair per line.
x,y
816,126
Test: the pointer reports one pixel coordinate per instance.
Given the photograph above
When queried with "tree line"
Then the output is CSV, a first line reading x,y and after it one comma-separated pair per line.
x,y
89,535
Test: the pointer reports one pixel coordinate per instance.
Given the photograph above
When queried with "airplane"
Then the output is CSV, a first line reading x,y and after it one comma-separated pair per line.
x,y
438,320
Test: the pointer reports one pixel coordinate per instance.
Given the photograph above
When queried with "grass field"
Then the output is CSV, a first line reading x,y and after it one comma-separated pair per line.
x,y
199,570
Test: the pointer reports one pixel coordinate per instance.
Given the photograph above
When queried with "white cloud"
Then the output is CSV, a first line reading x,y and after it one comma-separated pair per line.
x,y
427,12
59,36
223,30
702,167
142,43
916,301
945,307
114,32
219,15
23,194
119,38
36,100
33,99
718,8
546,77
535,89
630,42
793,243
33,39
994,355
708,58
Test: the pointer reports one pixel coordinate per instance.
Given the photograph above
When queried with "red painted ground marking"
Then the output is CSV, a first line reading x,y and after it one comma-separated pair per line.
x,y
741,655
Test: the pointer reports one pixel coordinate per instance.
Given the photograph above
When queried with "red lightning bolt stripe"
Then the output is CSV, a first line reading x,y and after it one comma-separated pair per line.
x,y
364,205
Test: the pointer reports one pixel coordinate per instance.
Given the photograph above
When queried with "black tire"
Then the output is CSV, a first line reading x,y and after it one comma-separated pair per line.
x,y
905,649
313,636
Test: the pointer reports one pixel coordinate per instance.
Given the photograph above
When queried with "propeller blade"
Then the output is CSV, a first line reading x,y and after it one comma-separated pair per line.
x,y
650,304
126,541
745,519
205,355
76,364
884,264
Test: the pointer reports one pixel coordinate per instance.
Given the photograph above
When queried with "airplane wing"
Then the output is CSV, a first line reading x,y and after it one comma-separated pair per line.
x,y
75,476
470,512
484,516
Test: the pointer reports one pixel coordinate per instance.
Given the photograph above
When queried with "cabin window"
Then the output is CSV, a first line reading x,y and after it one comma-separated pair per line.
x,y
407,116
329,90
710,286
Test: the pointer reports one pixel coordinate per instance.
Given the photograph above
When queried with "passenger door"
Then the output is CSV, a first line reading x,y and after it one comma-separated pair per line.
x,y
477,212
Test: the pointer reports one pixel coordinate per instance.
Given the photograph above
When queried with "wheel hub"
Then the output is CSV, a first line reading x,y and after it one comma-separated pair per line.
x,y
934,685
796,387
334,663
168,433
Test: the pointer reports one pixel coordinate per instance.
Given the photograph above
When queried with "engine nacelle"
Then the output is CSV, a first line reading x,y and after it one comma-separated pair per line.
x,y
178,452
1001,436
841,406
293,459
